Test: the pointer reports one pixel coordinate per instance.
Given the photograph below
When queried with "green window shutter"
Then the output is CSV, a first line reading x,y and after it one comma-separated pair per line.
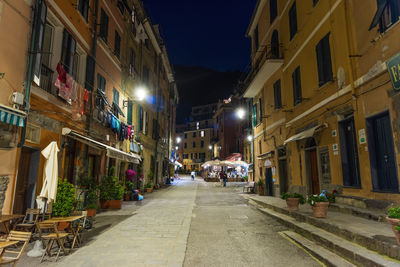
x,y
254,115
38,32
115,97
130,108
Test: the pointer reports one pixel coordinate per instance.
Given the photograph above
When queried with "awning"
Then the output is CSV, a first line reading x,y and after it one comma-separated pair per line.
x,y
12,116
267,155
112,152
306,134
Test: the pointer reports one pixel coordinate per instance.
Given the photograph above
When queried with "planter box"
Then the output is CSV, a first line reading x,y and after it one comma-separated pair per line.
x,y
292,203
91,212
320,209
149,190
111,204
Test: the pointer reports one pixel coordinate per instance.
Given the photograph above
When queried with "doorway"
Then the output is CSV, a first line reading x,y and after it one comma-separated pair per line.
x,y
25,190
312,168
382,155
269,183
282,165
349,153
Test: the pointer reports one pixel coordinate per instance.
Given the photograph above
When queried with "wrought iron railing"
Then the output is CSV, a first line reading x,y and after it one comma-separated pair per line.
x,y
46,80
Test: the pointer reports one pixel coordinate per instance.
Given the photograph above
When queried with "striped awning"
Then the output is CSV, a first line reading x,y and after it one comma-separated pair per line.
x,y
12,116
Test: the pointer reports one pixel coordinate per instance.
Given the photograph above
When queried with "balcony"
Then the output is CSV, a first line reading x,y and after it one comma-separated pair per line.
x,y
269,60
46,80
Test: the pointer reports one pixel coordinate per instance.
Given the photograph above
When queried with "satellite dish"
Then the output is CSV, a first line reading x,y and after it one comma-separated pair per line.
x,y
341,79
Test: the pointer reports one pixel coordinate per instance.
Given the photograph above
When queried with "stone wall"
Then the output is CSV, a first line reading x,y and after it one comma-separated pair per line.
x,y
3,188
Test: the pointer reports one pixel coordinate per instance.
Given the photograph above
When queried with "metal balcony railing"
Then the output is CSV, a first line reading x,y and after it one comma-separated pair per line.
x,y
46,80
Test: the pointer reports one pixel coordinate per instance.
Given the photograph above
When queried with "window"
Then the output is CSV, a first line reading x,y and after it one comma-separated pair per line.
x,y
194,134
194,144
202,134
261,172
185,145
146,43
90,67
254,115
103,25
185,135
387,14
68,51
275,44
259,147
141,119
202,143
260,110
83,7
101,86
117,44
197,125
324,61
185,156
297,97
255,38
146,75
191,156
132,58
293,21
40,19
277,95
273,10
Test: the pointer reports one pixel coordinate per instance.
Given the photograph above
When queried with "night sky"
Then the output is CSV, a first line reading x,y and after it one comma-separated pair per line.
x,y
208,33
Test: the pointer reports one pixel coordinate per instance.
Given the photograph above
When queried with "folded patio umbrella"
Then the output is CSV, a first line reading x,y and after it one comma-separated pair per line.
x,y
50,173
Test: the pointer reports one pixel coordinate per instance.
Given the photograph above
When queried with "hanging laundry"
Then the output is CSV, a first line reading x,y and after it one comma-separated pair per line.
x,y
129,131
108,118
77,103
113,123
85,100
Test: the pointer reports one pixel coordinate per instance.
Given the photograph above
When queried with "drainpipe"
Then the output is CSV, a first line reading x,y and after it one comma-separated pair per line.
x,y
29,76
349,46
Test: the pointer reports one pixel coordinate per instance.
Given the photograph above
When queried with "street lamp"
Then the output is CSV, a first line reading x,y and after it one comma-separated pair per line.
x,y
240,113
209,147
141,93
250,138
176,148
178,139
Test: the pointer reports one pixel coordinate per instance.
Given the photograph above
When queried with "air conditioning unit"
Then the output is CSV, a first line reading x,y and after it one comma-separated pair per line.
x,y
18,98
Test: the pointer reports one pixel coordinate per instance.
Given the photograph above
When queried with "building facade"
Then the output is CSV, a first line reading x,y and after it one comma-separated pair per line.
x,y
99,84
322,97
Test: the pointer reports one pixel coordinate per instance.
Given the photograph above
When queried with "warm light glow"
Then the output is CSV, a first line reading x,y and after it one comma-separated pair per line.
x,y
176,148
178,140
210,147
250,138
141,93
240,113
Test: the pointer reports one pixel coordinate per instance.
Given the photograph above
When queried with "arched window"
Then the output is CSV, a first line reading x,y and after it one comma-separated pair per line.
x,y
273,10
275,44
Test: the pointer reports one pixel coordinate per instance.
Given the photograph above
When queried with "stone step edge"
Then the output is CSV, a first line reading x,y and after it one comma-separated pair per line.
x,y
357,212
322,254
382,247
350,251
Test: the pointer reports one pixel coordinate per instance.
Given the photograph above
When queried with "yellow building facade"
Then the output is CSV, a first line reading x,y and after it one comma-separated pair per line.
x,y
322,98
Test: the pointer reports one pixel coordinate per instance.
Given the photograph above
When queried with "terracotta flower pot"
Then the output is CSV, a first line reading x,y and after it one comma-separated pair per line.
x,y
292,203
111,204
149,190
394,223
62,225
320,209
91,212
260,190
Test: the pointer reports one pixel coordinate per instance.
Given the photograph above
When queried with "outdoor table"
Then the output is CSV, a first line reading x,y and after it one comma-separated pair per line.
x,y
69,220
6,219
5,244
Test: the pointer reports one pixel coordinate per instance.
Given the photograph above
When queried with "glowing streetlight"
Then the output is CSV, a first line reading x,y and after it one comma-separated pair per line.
x,y
141,93
209,147
176,148
178,139
250,138
240,113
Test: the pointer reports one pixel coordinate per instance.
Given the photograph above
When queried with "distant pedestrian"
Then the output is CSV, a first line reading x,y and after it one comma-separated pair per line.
x,y
224,177
193,174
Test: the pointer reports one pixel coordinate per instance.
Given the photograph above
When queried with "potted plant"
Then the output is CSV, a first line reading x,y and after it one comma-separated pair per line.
x,y
260,187
65,201
149,187
111,191
319,205
128,190
293,200
91,202
394,219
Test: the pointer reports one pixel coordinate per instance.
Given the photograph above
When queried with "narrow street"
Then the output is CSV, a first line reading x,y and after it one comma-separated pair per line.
x,y
191,223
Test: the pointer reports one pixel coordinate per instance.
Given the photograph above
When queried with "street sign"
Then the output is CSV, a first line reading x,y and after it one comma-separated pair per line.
x,y
393,66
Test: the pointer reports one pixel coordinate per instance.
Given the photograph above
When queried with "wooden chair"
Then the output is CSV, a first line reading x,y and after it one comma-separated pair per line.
x,y
52,235
28,224
12,255
250,186
79,228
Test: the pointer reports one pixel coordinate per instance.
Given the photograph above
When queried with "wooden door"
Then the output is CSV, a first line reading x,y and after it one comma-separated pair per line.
x,y
283,178
314,172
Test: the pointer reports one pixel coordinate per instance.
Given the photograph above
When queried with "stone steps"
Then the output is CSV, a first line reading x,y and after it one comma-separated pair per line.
x,y
375,215
332,243
374,236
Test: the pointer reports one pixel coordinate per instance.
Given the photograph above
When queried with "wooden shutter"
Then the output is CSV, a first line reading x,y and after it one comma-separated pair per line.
x,y
326,49
104,25
117,44
293,20
130,108
320,63
260,110
297,96
277,94
39,27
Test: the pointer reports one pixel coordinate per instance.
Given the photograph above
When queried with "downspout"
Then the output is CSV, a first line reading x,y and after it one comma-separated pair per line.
x,y
349,47
29,76
157,111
